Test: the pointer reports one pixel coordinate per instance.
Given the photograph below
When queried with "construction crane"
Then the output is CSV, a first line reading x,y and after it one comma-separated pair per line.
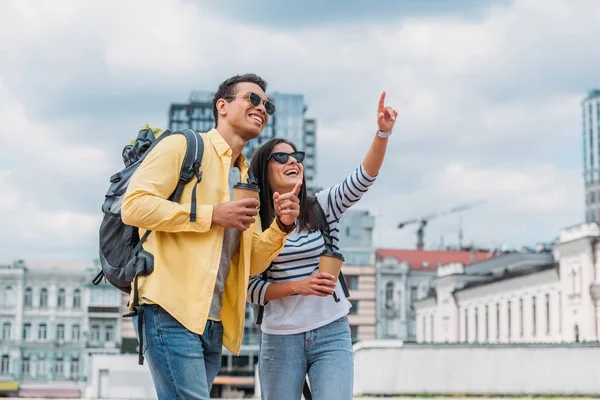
x,y
424,220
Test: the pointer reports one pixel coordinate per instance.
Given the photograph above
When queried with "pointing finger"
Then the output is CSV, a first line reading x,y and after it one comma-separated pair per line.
x,y
381,105
297,188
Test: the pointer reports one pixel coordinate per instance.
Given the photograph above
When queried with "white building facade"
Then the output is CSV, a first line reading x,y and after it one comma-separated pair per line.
x,y
547,297
404,277
52,319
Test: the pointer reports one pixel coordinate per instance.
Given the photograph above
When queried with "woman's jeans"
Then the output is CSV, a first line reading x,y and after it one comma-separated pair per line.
x,y
325,354
183,364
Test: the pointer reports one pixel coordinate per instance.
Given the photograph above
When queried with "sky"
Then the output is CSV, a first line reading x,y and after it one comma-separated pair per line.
x,y
488,95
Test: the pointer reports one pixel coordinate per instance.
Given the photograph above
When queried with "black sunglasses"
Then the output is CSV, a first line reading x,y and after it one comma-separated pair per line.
x,y
255,100
283,158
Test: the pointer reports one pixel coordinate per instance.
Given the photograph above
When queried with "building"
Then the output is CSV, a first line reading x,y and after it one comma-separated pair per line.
x,y
544,297
288,122
591,154
403,278
53,320
356,244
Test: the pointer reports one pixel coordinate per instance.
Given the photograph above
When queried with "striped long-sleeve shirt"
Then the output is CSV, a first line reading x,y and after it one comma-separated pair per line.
x,y
300,259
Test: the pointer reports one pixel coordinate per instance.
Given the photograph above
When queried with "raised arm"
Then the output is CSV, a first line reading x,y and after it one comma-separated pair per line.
x,y
386,119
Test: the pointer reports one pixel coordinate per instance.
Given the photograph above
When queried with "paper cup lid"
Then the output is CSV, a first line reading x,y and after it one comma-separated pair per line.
x,y
247,186
335,254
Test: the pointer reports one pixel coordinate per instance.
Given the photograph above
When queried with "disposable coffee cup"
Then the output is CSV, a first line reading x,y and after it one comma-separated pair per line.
x,y
245,191
331,263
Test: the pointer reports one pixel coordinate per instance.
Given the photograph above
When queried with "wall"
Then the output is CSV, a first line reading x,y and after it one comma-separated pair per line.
x,y
391,368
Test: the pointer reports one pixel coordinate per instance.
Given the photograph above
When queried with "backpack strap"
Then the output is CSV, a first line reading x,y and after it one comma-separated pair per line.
x,y
261,308
190,168
326,232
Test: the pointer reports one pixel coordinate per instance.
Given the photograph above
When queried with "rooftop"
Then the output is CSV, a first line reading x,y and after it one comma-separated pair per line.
x,y
429,260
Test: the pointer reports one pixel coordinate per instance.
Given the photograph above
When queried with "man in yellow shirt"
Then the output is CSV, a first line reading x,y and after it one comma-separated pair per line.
x,y
194,301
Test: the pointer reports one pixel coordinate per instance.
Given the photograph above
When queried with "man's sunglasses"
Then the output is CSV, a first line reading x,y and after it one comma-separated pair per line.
x,y
255,100
283,158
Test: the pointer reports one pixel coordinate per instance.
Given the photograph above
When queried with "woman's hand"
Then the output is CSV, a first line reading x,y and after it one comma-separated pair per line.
x,y
287,205
386,116
321,284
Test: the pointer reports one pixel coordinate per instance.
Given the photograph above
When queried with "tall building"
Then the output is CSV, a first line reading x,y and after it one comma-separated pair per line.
x,y
53,321
288,122
356,244
591,154
545,297
403,278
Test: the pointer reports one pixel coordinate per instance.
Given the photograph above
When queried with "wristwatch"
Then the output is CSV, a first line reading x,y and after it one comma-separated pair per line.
x,y
285,228
384,134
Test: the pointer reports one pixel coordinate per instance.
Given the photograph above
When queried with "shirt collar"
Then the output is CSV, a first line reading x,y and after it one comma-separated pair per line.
x,y
223,148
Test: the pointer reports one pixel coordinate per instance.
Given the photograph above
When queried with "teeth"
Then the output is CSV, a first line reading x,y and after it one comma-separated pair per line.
x,y
256,118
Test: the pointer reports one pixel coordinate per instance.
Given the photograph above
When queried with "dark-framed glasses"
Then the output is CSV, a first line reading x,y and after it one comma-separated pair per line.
x,y
283,158
255,100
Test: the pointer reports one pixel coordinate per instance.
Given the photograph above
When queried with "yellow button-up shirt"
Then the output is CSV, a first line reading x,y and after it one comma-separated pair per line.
x,y
187,254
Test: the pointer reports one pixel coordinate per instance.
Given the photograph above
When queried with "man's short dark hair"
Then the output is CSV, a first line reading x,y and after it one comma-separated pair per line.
x,y
227,89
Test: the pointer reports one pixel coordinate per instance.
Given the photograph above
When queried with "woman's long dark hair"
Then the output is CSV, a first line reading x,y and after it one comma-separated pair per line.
x,y
307,220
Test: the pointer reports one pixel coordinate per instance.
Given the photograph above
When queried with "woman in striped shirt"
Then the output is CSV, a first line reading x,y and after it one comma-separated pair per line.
x,y
304,330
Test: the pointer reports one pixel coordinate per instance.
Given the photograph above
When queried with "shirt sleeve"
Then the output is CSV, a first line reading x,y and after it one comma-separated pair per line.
x,y
257,287
337,199
146,204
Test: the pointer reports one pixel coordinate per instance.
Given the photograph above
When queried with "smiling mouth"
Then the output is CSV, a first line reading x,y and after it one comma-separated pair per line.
x,y
257,119
292,173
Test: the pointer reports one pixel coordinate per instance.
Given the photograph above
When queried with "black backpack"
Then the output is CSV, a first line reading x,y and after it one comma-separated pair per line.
x,y
326,232
121,254
122,257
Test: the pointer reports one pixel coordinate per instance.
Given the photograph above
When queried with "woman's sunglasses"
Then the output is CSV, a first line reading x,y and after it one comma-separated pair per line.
x,y
283,158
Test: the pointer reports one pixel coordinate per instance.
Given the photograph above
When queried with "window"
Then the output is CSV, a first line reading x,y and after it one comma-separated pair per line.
x,y
5,366
354,309
28,299
60,332
497,321
44,298
487,325
352,282
26,331
389,295
533,317
41,367
25,366
354,333
476,324
110,336
8,296
95,333
521,318
6,328
466,325
74,368
75,333
62,298
58,367
77,298
432,328
413,293
547,314
508,320
42,332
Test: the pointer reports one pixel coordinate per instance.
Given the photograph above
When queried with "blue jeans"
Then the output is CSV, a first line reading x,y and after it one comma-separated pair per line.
x,y
325,354
183,364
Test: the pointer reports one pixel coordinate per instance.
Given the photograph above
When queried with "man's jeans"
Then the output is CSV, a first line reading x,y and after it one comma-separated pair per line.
x,y
324,353
183,364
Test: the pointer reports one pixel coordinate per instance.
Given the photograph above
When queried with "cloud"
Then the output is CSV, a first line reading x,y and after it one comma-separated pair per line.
x,y
488,95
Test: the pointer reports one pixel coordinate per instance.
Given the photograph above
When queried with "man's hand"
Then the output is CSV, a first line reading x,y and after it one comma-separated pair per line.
x,y
386,116
287,205
321,284
235,214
